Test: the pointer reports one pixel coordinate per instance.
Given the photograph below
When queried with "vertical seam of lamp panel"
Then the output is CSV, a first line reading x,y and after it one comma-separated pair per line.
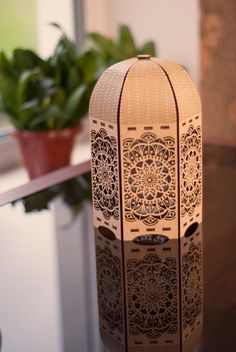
x,y
178,190
121,210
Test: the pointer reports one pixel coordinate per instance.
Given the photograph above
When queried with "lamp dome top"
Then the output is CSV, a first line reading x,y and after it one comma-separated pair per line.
x,y
145,90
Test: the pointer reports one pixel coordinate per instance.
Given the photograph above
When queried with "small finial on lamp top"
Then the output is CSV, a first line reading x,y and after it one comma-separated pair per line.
x,y
144,57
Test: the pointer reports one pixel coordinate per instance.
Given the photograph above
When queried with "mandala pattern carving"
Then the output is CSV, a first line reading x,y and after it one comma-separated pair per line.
x,y
105,174
149,176
152,296
109,283
191,170
192,284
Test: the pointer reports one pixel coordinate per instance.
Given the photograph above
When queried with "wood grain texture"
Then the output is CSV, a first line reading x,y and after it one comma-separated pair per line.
x,y
218,72
219,249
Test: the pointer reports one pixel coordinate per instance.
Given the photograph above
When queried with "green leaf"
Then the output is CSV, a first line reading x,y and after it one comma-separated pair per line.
x,y
2,104
83,105
148,48
27,112
6,67
74,79
39,201
59,97
74,100
9,114
88,63
126,42
30,105
101,41
49,119
56,25
104,44
45,88
65,51
24,80
7,89
25,59
46,83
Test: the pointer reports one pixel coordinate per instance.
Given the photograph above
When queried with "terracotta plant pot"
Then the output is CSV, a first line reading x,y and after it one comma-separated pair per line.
x,y
46,151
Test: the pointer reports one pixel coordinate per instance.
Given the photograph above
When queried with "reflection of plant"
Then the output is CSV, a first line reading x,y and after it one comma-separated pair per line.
x,y
73,193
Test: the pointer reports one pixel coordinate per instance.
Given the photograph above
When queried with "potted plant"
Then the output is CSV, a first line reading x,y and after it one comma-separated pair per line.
x,y
45,100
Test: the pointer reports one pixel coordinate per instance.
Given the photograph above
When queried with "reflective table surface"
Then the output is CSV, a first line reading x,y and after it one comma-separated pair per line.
x,y
48,296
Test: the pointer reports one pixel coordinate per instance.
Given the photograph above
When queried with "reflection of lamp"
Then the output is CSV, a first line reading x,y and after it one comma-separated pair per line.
x,y
145,117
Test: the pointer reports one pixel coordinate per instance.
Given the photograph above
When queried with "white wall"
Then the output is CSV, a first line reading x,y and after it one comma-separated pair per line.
x,y
97,15
59,11
29,295
48,297
77,270
172,24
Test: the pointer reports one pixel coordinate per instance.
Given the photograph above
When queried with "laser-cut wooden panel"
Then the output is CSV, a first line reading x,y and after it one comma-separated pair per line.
x,y
110,286
105,175
145,120
190,141
149,182
191,280
152,294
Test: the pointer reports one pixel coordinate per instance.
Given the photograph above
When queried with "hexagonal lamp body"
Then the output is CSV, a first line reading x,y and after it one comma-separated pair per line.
x,y
146,140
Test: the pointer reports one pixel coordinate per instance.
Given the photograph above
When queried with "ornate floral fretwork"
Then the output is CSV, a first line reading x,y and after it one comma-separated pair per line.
x,y
191,170
192,284
105,173
152,296
109,283
149,176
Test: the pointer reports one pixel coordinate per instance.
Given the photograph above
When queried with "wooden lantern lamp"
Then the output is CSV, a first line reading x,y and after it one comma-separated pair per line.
x,y
146,139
